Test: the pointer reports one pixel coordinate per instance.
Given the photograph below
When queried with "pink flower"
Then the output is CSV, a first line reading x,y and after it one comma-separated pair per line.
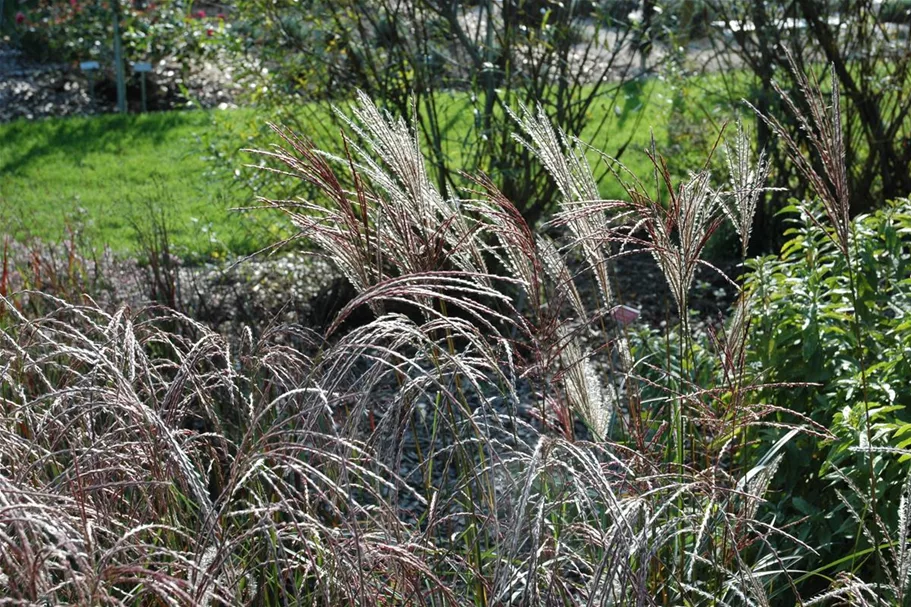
x,y
201,14
221,16
74,3
20,18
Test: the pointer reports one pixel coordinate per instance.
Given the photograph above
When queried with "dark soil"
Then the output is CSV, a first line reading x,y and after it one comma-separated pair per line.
x,y
308,290
641,284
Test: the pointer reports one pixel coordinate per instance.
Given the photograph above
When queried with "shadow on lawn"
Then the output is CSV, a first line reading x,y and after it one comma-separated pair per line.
x,y
86,135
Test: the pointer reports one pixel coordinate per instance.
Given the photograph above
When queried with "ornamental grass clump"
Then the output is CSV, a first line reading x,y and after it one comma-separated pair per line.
x,y
484,436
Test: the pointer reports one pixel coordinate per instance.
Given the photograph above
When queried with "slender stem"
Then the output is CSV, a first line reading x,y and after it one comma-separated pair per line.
x,y
855,325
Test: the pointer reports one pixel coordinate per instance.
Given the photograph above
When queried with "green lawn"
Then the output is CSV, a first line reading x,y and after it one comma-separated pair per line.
x,y
103,174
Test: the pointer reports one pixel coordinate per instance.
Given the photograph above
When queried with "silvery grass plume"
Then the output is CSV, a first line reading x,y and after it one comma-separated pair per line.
x,y
591,221
402,364
513,245
103,497
594,402
141,463
679,232
396,166
597,524
848,589
581,206
731,342
559,274
747,183
547,282
386,213
823,130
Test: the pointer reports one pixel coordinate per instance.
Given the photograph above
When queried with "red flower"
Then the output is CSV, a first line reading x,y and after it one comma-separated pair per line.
x,y
20,18
201,14
74,3
221,16
209,32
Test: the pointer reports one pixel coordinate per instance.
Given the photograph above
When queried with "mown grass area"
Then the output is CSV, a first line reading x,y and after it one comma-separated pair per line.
x,y
105,175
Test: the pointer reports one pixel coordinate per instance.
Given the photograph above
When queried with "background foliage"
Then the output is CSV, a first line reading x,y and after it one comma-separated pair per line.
x,y
855,356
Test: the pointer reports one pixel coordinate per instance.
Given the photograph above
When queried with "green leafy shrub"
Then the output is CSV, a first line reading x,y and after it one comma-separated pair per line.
x,y
81,30
848,362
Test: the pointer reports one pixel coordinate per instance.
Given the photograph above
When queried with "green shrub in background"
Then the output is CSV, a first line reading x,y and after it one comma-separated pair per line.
x,y
856,358
896,11
81,30
411,57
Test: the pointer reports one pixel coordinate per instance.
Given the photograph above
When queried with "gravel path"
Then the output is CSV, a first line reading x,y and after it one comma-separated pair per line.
x,y
30,90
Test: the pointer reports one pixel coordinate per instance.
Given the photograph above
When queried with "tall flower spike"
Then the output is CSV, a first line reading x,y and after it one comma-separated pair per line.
x,y
514,246
680,232
392,217
594,402
421,224
581,207
569,169
747,184
556,270
824,132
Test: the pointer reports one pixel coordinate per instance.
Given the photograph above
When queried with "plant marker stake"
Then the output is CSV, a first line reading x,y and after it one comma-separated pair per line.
x,y
624,314
141,68
118,61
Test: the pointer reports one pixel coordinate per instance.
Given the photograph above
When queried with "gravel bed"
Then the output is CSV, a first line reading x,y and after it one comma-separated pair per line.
x,y
30,90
